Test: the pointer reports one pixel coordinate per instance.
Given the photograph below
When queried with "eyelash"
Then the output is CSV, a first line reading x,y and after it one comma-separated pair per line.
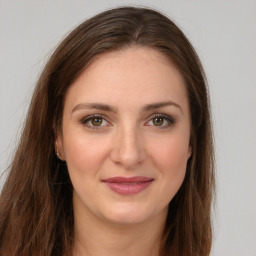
x,y
87,119
171,121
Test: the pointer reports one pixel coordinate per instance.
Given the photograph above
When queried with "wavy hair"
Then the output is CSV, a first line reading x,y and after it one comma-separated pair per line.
x,y
36,212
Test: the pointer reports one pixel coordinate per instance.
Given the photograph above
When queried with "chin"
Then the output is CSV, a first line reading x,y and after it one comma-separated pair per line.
x,y
126,219
130,215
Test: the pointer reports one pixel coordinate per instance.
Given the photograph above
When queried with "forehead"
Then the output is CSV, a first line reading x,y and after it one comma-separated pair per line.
x,y
136,75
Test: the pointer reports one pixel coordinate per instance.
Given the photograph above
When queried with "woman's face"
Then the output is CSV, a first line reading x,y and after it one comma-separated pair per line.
x,y
125,136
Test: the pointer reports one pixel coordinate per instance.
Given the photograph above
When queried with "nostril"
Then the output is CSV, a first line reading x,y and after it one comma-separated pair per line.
x,y
127,151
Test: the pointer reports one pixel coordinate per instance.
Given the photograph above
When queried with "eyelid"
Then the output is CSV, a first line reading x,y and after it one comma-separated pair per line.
x,y
169,118
171,121
86,119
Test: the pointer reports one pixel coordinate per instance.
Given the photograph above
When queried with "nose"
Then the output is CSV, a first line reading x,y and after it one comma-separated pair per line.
x,y
128,148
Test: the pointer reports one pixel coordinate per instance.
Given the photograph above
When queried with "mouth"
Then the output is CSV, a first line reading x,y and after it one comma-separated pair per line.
x,y
128,186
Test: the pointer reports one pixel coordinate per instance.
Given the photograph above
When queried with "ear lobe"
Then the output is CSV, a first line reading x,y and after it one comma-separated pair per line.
x,y
59,148
189,152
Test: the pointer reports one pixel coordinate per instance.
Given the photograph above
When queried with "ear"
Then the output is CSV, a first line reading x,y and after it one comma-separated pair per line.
x,y
58,144
191,143
189,152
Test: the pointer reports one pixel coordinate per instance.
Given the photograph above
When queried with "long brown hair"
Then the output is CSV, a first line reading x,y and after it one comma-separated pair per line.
x,y
36,213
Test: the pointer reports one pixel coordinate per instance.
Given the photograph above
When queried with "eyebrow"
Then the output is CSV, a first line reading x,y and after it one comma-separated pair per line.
x,y
160,105
98,106
108,108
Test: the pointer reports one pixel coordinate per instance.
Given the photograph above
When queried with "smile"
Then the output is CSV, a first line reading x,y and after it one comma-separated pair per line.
x,y
128,186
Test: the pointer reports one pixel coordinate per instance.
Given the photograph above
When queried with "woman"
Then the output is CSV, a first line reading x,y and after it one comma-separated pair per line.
x,y
116,156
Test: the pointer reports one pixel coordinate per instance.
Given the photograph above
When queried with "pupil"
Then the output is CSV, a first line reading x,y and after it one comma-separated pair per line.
x,y
97,121
158,121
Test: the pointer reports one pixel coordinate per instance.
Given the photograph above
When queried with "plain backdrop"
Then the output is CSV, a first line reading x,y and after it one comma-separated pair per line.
x,y
224,35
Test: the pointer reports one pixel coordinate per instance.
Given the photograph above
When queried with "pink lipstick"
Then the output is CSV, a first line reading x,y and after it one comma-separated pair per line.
x,y
128,186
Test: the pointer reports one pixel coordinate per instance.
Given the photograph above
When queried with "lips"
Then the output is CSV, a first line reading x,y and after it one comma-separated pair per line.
x,y
128,186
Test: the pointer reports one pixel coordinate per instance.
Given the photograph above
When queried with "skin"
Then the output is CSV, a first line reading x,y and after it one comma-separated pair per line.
x,y
127,140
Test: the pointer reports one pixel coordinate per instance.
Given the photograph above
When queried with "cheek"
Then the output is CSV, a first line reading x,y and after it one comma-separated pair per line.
x,y
84,154
170,156
173,148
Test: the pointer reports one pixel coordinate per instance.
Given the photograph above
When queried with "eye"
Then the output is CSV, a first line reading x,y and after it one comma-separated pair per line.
x,y
94,121
97,121
161,121
158,121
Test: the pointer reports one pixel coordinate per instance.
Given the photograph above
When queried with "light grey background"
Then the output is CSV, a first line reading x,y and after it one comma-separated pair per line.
x,y
223,33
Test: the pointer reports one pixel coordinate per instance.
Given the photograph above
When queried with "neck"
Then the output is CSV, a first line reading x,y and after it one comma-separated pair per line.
x,y
97,237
